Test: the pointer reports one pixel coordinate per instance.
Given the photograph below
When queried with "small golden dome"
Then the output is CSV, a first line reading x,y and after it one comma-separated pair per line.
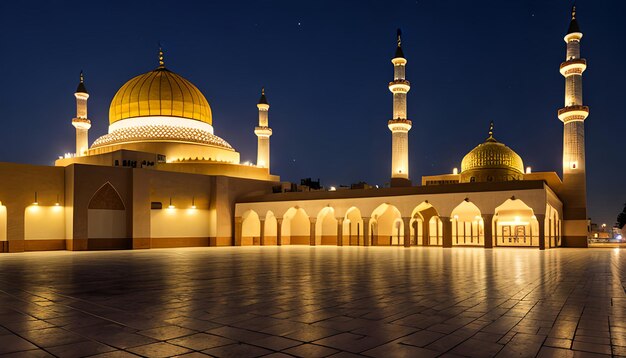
x,y
160,92
494,160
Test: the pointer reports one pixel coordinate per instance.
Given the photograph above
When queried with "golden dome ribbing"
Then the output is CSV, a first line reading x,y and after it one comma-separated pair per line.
x,y
160,92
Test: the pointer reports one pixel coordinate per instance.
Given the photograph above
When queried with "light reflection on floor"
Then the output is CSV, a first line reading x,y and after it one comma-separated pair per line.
x,y
314,301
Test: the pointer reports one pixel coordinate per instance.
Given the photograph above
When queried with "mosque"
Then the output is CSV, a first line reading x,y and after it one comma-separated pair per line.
x,y
161,177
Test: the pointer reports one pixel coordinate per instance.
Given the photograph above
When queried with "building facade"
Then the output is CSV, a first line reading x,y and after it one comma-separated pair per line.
x,y
161,177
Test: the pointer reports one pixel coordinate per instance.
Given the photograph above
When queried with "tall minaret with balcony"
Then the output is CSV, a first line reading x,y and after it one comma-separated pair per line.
x,y
263,132
573,115
399,125
81,122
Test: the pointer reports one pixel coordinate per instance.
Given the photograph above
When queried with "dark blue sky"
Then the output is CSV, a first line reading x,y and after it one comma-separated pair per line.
x,y
326,66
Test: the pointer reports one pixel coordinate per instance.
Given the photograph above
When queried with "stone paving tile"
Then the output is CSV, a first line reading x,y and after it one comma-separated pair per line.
x,y
167,332
310,350
12,343
35,353
237,350
160,349
201,341
80,349
314,301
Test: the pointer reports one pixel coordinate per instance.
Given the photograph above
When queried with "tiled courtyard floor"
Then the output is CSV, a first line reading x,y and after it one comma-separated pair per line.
x,y
314,302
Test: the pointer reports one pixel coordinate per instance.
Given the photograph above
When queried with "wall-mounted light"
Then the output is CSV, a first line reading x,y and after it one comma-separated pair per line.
x,y
36,202
193,202
171,206
57,203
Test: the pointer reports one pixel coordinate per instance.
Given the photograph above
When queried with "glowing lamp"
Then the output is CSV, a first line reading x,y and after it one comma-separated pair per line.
x,y
455,171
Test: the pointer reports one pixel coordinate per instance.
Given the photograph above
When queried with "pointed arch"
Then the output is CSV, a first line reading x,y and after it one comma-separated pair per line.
x,y
420,223
270,229
106,198
353,227
326,227
106,220
467,225
387,225
515,224
250,228
296,227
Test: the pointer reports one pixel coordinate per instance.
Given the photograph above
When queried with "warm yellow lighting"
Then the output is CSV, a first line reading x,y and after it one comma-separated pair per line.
x,y
332,188
528,170
455,171
456,217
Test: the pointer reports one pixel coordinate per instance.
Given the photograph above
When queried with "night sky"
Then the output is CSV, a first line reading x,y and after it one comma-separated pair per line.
x,y
325,66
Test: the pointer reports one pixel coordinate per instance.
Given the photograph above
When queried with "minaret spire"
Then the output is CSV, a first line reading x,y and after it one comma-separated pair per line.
x,y
573,115
263,133
399,125
81,122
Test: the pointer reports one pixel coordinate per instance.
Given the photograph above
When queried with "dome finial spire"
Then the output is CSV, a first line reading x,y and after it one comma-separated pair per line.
x,y
491,129
574,11
82,77
399,33
161,57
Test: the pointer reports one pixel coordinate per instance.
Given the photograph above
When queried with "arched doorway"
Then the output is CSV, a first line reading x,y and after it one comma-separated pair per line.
x,y
435,231
106,220
515,224
353,228
388,227
420,232
467,225
250,229
271,225
326,227
296,228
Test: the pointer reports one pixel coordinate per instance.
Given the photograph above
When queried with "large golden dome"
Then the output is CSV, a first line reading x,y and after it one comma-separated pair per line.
x,y
160,92
491,161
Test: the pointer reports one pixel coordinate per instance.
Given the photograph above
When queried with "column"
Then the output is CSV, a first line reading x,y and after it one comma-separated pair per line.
x,y
488,228
238,230
262,233
279,227
312,231
407,231
366,230
447,231
541,219
339,231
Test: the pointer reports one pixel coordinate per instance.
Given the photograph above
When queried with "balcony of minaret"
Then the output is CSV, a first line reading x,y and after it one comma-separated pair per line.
x,y
399,125
399,86
573,113
263,131
82,123
573,67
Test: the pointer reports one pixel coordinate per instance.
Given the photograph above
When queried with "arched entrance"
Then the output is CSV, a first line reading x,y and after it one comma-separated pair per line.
x,y
353,227
420,232
467,225
326,227
250,229
106,220
388,228
515,224
296,228
270,229
435,231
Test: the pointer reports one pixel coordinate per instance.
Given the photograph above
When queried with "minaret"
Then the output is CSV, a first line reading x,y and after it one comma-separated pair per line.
x,y
81,123
573,115
263,132
399,125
